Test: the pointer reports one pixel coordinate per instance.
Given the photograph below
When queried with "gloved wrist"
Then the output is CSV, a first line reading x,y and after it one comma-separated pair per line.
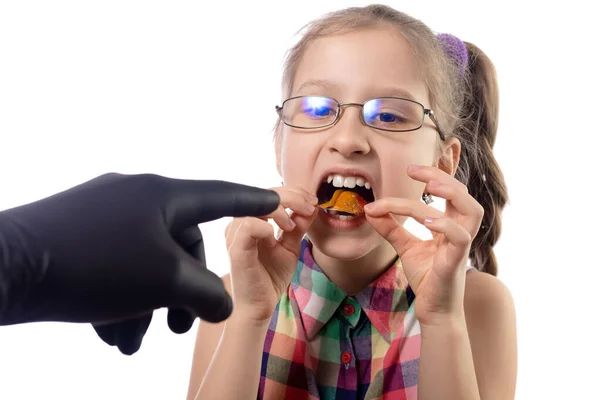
x,y
22,266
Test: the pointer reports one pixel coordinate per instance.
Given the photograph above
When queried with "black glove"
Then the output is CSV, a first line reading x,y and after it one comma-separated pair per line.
x,y
128,335
112,250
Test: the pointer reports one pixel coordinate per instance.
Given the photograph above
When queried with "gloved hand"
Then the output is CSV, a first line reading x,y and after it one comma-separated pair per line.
x,y
114,249
128,335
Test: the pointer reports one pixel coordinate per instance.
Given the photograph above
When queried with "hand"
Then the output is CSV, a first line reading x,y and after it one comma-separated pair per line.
x,y
127,335
262,266
435,268
114,249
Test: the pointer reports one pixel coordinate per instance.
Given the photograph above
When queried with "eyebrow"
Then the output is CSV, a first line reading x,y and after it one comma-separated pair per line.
x,y
320,83
393,91
389,91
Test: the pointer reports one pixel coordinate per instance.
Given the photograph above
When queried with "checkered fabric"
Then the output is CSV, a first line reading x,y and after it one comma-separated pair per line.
x,y
323,344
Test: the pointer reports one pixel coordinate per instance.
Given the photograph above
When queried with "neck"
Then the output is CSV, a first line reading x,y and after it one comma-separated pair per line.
x,y
352,276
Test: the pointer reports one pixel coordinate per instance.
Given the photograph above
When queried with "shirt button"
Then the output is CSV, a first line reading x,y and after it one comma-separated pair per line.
x,y
349,309
346,357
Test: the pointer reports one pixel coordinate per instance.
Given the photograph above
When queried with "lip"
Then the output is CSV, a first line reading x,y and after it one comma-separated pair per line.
x,y
347,171
338,224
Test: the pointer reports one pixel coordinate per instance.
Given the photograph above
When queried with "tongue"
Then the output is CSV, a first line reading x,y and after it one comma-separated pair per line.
x,y
345,201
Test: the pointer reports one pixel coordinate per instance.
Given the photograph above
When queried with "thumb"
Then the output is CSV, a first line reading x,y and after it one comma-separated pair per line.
x,y
196,281
203,293
191,202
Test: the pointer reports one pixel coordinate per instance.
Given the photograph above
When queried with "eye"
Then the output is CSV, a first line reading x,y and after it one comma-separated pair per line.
x,y
318,112
316,107
392,114
388,117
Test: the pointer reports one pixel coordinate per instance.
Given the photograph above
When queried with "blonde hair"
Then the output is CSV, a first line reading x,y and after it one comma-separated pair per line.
x,y
465,102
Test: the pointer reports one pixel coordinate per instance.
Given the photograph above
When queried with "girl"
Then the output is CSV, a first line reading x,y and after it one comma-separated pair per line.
x,y
354,306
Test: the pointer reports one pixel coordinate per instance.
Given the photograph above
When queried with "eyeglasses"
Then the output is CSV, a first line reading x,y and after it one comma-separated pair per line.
x,y
386,113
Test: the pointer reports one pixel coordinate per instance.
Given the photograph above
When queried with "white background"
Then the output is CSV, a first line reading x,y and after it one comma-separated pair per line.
x,y
139,86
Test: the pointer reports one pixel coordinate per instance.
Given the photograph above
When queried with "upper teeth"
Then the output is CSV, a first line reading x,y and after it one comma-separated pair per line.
x,y
347,181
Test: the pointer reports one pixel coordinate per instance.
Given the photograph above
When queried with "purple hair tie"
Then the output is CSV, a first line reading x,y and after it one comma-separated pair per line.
x,y
456,50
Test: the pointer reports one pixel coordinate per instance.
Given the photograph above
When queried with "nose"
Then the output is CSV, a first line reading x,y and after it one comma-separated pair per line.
x,y
349,136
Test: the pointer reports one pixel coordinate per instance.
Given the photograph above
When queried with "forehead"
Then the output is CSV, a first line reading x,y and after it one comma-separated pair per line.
x,y
360,65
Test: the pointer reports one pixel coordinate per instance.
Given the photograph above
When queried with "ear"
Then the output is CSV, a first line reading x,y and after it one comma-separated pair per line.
x,y
450,156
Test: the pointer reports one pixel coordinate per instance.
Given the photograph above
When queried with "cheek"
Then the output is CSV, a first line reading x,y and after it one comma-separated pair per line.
x,y
298,155
395,163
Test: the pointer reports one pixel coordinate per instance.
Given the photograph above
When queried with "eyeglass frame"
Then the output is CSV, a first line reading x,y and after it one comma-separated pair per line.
x,y
426,112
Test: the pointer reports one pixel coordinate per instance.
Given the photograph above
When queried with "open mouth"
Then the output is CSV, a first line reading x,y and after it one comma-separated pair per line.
x,y
344,196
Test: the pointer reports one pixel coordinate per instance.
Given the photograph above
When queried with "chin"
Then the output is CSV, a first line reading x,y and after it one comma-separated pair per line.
x,y
343,247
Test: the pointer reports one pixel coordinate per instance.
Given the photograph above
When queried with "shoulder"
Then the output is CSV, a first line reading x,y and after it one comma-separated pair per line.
x,y
486,295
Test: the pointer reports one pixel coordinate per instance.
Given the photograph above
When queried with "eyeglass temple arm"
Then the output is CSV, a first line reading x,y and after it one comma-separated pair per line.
x,y
437,125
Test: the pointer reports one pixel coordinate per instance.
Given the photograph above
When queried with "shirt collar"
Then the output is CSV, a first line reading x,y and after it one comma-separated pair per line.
x,y
385,301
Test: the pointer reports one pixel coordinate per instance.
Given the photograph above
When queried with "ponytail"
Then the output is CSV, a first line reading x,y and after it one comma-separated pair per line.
x,y
479,169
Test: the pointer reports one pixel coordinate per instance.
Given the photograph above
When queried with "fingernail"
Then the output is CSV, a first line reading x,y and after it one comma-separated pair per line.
x,y
310,208
434,184
429,220
291,223
368,207
413,168
314,199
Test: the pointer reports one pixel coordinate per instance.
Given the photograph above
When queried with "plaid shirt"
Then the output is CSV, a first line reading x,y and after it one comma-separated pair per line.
x,y
323,344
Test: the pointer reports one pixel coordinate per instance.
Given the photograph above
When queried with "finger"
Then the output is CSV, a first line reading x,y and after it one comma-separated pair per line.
x,y
404,207
283,219
311,198
180,320
232,229
190,202
459,202
297,200
203,293
392,231
457,236
425,174
249,232
126,335
291,240
192,242
463,202
228,227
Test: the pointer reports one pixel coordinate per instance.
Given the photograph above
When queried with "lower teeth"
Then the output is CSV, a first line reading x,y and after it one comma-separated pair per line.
x,y
344,217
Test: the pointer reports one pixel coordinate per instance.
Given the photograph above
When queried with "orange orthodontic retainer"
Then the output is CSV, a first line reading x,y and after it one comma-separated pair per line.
x,y
345,201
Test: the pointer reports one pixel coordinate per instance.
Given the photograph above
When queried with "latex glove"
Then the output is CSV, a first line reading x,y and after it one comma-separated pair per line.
x,y
109,250
128,335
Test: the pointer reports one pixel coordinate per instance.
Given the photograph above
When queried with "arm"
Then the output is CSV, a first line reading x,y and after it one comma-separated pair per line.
x,y
226,351
474,357
262,267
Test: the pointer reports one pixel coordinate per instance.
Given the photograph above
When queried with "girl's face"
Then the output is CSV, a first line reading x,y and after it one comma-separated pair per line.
x,y
353,68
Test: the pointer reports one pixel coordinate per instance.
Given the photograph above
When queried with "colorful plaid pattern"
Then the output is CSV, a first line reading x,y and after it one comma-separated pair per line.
x,y
322,344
